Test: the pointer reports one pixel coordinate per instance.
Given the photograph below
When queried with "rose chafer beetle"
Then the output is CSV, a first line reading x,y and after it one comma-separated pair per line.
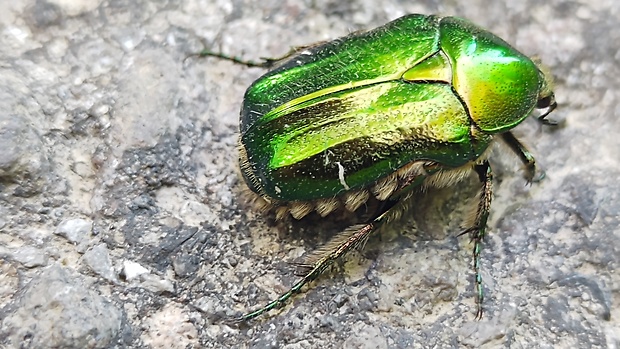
x,y
415,103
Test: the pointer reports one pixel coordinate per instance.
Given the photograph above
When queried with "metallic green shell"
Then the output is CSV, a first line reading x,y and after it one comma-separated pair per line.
x,y
346,113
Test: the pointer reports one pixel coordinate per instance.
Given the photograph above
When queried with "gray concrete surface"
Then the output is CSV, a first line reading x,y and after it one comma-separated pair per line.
x,y
121,224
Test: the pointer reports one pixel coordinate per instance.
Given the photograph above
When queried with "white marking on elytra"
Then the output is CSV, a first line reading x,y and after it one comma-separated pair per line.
x,y
327,152
341,176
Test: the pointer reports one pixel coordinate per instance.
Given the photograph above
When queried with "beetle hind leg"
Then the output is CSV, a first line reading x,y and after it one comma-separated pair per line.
x,y
317,262
265,62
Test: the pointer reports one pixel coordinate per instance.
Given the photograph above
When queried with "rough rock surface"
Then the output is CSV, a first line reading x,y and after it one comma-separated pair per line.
x,y
121,223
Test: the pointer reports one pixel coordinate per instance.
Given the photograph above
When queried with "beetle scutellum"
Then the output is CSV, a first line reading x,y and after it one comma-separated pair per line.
x,y
415,103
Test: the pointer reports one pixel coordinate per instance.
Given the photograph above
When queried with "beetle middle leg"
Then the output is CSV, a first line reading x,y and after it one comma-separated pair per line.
x,y
477,228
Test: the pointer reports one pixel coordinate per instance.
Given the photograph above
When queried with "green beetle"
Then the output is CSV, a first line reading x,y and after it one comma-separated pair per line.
x,y
415,103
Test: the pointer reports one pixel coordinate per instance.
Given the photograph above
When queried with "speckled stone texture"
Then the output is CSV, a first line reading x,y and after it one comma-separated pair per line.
x,y
122,226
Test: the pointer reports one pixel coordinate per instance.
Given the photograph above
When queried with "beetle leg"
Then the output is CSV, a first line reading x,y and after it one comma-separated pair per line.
x,y
477,230
524,155
266,62
355,236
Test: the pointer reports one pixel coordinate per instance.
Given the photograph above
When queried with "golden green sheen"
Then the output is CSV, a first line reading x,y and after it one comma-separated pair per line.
x,y
387,113
346,113
499,85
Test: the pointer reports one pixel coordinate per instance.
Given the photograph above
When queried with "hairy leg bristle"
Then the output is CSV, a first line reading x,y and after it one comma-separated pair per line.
x,y
281,213
299,209
354,199
385,187
326,206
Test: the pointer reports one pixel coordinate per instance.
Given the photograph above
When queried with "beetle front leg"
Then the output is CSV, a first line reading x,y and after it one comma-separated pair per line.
x,y
478,227
524,155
